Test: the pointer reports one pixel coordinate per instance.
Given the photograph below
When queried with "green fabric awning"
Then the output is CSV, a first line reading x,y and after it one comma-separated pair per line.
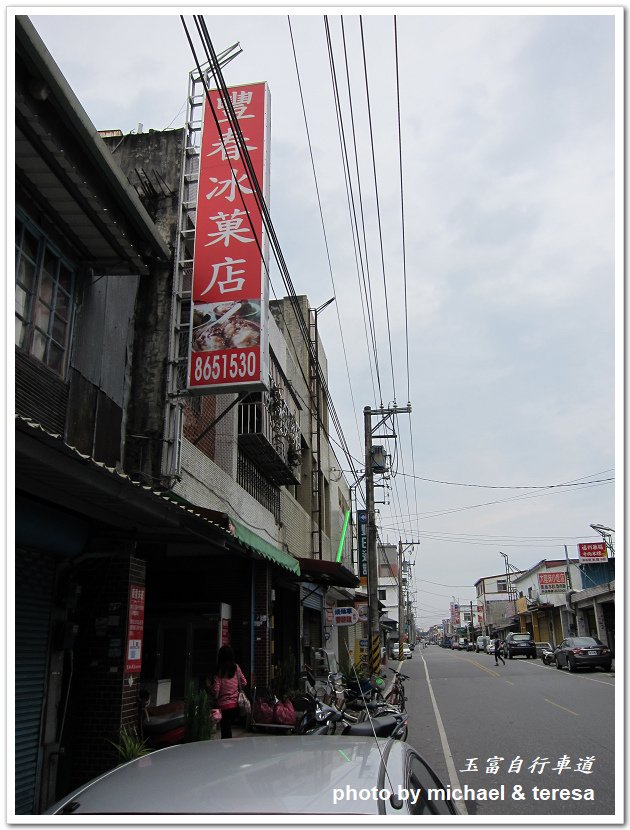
x,y
266,549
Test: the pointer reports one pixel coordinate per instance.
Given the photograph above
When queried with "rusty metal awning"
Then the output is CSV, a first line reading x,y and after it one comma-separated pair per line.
x,y
325,572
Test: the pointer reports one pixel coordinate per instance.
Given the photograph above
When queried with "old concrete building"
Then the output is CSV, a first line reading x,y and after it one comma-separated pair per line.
x,y
150,527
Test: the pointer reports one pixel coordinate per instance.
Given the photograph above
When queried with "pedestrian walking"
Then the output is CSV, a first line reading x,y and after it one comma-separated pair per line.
x,y
497,652
227,682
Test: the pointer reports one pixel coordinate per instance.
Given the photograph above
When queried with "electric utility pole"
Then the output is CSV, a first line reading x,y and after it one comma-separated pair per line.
x,y
401,600
384,415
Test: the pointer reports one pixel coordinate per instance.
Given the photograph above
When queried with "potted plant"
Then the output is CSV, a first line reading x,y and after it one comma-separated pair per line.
x,y
130,745
199,723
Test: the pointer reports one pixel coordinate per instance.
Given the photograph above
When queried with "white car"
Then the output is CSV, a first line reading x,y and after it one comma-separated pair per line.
x,y
270,775
407,652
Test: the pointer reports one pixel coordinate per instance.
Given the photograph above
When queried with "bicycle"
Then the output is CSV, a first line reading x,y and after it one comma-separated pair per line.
x,y
396,695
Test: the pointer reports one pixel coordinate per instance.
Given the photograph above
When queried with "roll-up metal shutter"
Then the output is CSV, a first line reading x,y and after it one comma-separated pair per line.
x,y
312,598
34,576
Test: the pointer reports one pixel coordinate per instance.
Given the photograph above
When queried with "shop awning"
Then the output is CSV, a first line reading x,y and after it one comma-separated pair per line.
x,y
325,572
48,469
251,540
388,622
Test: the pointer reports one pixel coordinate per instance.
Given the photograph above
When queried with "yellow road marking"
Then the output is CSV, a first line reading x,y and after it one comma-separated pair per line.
x,y
570,711
481,666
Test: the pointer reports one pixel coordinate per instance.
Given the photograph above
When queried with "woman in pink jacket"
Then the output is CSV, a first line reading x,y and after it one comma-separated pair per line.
x,y
225,687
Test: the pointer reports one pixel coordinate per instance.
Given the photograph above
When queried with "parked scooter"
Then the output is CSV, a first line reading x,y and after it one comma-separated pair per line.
x,y
548,657
327,720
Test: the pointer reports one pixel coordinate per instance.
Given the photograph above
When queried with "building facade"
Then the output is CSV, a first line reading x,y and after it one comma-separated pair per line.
x,y
542,605
150,527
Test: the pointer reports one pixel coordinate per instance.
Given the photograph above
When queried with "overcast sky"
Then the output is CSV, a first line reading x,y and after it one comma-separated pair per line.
x,y
508,170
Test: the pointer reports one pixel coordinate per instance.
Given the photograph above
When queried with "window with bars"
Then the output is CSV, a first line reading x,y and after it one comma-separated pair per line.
x,y
252,480
44,297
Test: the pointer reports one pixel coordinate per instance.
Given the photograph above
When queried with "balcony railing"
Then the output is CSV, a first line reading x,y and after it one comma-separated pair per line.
x,y
268,433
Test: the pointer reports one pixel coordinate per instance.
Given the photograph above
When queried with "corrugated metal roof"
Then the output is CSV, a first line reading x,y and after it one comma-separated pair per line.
x,y
114,498
132,505
59,153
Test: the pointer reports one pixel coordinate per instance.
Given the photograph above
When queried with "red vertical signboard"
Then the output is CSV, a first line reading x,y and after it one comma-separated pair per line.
x,y
133,655
228,340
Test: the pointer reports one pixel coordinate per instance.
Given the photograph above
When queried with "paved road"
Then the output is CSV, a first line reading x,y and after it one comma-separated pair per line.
x,y
522,725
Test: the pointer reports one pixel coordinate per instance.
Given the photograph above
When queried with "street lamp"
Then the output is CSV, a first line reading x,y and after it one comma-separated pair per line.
x,y
606,534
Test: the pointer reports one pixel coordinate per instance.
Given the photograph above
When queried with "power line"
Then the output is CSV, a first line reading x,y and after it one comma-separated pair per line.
x,y
378,207
321,214
363,271
573,483
253,181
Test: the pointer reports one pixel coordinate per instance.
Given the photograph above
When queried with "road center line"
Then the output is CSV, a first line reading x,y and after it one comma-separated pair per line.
x,y
484,668
570,711
448,755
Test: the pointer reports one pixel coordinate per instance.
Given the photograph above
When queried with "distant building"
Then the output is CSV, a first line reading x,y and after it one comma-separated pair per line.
x,y
496,611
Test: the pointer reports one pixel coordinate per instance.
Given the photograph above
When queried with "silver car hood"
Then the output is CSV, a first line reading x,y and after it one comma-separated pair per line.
x,y
244,776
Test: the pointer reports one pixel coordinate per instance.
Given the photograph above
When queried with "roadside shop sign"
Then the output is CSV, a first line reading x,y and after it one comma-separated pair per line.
x,y
592,552
362,522
362,610
135,630
345,616
551,582
228,346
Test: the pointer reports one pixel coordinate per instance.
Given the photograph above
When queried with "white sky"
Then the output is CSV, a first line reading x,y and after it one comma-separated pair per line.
x,y
508,145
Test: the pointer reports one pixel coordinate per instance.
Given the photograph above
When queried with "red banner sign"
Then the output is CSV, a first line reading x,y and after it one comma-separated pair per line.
x,y
593,552
552,582
133,658
228,339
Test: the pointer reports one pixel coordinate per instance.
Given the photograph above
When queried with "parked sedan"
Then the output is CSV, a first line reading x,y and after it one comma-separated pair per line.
x,y
407,652
290,775
519,644
578,652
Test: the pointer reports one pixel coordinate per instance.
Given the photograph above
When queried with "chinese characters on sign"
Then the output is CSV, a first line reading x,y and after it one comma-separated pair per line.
x,y
537,765
455,618
362,543
133,660
550,582
592,552
228,339
345,616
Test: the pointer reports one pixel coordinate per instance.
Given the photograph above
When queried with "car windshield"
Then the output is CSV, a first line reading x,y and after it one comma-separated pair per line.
x,y
585,641
521,637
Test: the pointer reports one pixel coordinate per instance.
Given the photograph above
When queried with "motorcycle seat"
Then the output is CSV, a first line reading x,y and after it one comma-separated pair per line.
x,y
382,726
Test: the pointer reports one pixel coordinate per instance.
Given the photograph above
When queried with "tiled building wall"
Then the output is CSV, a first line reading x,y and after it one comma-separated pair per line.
x,y
262,606
101,699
